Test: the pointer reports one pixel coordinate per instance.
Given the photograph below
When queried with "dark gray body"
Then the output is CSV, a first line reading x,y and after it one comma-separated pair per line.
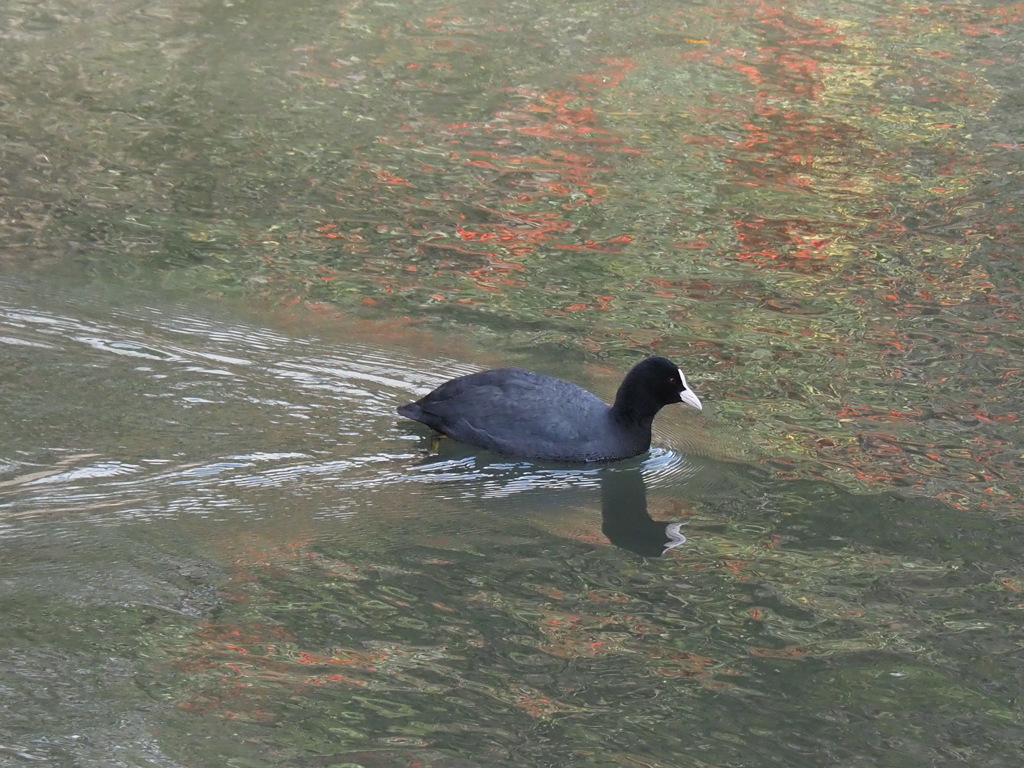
x,y
533,416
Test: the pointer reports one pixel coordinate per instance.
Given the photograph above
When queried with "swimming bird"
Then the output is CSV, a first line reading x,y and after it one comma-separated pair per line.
x,y
532,416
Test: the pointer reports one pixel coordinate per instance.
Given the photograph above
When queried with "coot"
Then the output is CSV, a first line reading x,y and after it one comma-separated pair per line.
x,y
533,416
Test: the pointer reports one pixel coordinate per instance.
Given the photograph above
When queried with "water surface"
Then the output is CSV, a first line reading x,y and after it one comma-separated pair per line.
x,y
219,534
233,237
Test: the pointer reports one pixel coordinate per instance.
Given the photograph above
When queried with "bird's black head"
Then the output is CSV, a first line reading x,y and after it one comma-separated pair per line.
x,y
664,382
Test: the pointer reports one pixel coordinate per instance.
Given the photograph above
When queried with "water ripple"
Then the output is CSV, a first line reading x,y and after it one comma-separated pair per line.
x,y
225,418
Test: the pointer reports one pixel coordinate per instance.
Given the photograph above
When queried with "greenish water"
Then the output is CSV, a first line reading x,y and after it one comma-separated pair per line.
x,y
234,236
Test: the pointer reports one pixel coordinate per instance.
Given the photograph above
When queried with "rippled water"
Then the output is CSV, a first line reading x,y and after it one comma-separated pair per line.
x,y
234,236
153,453
220,543
150,399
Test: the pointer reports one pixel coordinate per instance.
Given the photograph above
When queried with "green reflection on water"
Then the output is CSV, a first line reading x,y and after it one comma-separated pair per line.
x,y
758,644
814,208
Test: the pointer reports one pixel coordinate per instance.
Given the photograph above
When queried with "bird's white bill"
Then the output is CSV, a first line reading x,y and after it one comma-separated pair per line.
x,y
687,395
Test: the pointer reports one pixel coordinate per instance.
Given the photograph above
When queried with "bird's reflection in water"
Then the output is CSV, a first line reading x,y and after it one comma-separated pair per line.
x,y
624,517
